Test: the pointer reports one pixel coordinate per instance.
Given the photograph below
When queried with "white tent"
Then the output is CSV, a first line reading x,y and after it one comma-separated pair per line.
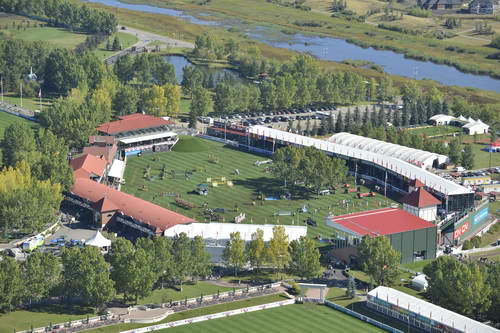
x,y
462,118
419,282
98,240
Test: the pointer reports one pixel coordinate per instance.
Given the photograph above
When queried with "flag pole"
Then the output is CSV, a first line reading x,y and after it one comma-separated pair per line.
x,y
1,84
40,98
21,94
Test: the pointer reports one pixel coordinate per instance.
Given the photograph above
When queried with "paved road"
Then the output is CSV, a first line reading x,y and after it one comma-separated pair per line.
x,y
146,38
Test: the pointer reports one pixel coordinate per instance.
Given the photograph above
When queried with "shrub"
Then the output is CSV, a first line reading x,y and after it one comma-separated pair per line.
x,y
496,42
467,245
476,241
419,12
295,288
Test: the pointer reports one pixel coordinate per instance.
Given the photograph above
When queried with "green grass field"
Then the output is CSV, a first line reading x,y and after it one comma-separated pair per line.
x,y
126,40
42,316
243,194
435,130
188,291
196,313
55,36
290,318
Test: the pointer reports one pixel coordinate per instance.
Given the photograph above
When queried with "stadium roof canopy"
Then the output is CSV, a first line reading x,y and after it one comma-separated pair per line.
x,y
418,157
220,231
147,137
396,165
378,222
132,122
429,310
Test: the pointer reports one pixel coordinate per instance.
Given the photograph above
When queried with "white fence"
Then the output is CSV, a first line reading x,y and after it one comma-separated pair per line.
x,y
211,316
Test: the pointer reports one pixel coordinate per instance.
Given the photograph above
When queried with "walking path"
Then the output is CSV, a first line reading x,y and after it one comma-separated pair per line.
x,y
144,39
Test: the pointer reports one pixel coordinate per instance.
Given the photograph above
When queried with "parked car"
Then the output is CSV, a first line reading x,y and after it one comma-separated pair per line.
x,y
311,222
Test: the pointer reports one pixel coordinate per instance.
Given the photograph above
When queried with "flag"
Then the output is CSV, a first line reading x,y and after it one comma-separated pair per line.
x,y
40,93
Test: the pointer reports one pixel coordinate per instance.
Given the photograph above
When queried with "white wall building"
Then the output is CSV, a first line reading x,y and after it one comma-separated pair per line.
x,y
475,127
441,119
422,204
216,235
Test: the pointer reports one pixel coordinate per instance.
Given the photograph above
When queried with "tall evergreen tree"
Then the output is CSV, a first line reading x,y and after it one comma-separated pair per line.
x,y
468,157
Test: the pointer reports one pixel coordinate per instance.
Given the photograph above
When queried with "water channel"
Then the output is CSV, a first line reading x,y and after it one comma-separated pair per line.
x,y
335,49
216,74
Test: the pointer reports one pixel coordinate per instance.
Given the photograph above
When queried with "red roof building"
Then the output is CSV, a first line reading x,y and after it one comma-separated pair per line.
x,y
107,153
108,203
101,140
408,234
133,122
379,222
88,166
420,198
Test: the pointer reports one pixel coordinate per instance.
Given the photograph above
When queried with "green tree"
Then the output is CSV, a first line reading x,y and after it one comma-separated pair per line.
x,y
118,257
277,250
125,101
173,95
351,288
201,103
493,281
117,46
41,273
468,157
379,260
18,143
256,248
87,276
11,284
154,101
454,151
183,259
201,266
234,252
446,275
142,276
304,258
286,163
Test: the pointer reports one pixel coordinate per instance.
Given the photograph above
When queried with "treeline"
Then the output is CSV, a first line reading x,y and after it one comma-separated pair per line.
x,y
300,83
299,257
60,70
27,204
37,171
64,13
480,299
308,166
85,276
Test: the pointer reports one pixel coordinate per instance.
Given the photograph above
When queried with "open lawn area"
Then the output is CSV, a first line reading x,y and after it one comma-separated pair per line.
x,y
188,291
29,103
42,316
289,318
434,130
482,157
417,266
193,154
126,40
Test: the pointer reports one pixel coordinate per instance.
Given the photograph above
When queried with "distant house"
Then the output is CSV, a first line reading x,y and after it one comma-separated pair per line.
x,y
441,5
484,6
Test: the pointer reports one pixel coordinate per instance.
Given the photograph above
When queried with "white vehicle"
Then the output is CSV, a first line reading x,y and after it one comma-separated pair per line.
x,y
459,169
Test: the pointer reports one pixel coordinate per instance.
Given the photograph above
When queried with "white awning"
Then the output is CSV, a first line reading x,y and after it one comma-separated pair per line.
x,y
117,169
148,137
98,240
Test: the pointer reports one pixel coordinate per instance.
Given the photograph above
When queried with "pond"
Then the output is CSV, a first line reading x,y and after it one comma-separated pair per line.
x,y
215,74
334,49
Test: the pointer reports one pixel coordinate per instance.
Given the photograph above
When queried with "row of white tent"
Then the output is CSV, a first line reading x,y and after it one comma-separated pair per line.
x,y
469,124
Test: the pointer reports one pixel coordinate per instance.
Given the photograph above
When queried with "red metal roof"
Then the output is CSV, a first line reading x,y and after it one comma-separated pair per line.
x,y
420,198
88,165
379,222
158,217
132,122
416,183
